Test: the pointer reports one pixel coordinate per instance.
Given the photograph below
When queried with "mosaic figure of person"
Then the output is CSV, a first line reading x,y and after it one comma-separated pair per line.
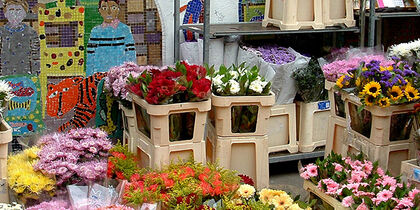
x,y
111,39
19,42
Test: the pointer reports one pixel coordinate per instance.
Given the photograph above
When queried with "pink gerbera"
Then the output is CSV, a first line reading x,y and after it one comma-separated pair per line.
x,y
347,201
362,206
405,203
383,196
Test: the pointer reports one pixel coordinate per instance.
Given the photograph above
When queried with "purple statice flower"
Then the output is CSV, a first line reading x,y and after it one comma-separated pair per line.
x,y
398,78
54,204
398,71
368,74
275,54
387,84
386,75
409,73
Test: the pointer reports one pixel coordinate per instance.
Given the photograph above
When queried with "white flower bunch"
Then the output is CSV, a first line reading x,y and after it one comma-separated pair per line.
x,y
406,50
13,206
5,91
239,80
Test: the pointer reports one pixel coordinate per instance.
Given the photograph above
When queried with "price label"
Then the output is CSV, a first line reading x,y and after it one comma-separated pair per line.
x,y
416,174
324,105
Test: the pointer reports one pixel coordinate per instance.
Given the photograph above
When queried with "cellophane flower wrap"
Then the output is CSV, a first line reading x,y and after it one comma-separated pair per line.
x,y
27,183
185,184
383,86
122,164
361,184
241,81
336,69
310,82
6,94
79,156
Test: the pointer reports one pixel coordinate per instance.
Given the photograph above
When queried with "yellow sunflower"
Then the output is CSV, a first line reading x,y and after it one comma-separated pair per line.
x,y
395,93
339,81
384,102
369,100
372,88
411,93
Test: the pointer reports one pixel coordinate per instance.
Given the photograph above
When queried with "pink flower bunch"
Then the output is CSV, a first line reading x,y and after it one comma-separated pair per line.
x,y
116,80
54,204
336,69
360,183
80,155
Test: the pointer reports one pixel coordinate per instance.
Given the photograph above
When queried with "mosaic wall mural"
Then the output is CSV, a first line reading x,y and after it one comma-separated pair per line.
x,y
251,10
67,44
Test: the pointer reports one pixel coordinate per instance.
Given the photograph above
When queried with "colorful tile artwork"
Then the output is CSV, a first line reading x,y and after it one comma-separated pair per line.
x,y
65,35
251,10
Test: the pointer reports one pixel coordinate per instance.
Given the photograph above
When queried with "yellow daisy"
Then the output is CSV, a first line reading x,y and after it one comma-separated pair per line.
x,y
382,68
395,93
369,100
372,88
282,202
339,81
390,68
411,93
364,69
384,102
358,82
246,191
265,195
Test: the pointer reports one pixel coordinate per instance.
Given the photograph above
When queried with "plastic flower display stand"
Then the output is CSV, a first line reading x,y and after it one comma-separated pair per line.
x,y
247,155
337,104
5,138
315,192
293,14
377,125
129,123
312,119
388,156
338,12
335,135
411,171
282,129
223,105
152,141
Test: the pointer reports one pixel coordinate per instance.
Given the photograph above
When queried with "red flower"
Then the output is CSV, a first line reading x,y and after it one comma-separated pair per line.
x,y
152,188
135,177
119,155
206,188
201,87
120,175
136,89
246,179
203,177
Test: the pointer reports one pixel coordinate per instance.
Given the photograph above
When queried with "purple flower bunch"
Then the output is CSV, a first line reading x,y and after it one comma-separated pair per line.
x,y
336,69
116,80
71,157
54,204
275,54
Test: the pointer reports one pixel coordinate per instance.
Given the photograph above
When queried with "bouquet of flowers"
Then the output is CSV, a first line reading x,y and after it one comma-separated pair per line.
x,y
116,79
310,82
27,183
182,184
13,206
406,51
79,156
360,184
241,81
121,163
5,95
336,69
376,84
54,204
184,83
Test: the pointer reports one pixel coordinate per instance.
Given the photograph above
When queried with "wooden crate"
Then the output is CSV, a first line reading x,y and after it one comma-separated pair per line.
x,y
129,124
334,97
155,156
222,108
379,133
314,191
410,171
293,14
247,155
158,117
5,138
388,156
335,135
312,119
282,129
338,12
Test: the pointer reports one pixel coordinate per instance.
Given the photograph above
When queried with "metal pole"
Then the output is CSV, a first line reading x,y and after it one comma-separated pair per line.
x,y
206,34
362,24
176,30
371,40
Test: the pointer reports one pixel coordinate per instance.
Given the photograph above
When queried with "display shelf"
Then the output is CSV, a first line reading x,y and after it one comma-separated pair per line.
x,y
254,28
396,14
280,157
